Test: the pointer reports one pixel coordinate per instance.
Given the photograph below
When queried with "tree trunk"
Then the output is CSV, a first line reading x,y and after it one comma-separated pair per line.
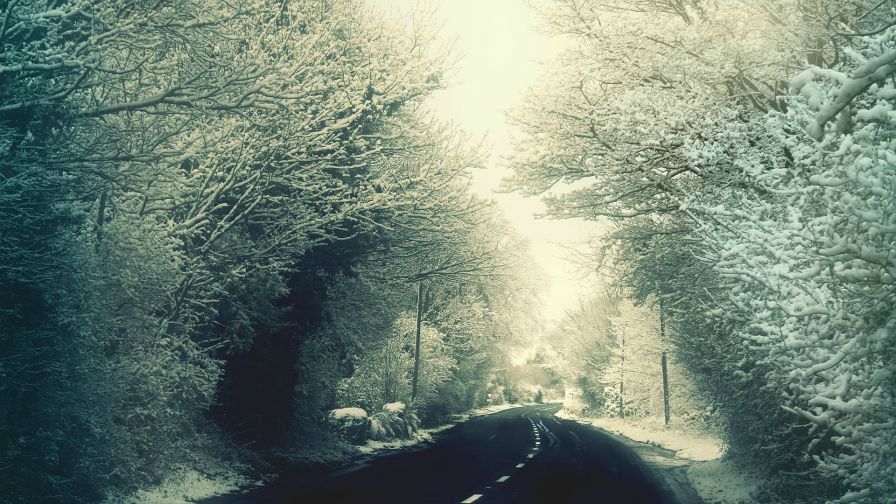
x,y
101,217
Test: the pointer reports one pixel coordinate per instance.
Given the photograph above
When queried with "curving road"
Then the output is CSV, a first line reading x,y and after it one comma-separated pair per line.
x,y
520,455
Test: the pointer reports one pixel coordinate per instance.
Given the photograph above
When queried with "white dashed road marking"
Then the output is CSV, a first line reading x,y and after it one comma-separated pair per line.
x,y
552,439
537,425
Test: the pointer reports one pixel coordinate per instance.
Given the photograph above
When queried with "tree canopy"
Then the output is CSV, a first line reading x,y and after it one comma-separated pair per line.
x,y
740,153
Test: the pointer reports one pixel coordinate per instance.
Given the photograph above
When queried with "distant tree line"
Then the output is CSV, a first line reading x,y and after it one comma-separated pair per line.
x,y
611,355
742,152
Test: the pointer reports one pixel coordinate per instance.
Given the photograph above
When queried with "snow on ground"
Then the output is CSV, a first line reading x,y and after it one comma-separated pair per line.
x,y
421,436
685,443
487,410
719,482
185,486
715,478
425,435
188,485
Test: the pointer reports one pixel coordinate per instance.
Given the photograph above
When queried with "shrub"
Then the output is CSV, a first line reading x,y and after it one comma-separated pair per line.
x,y
352,424
395,421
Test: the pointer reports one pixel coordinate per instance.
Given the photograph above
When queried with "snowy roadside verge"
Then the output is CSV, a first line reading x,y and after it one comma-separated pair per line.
x,y
372,449
189,485
692,464
686,444
426,435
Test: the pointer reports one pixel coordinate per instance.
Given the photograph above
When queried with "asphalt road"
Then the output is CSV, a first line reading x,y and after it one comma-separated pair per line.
x,y
520,455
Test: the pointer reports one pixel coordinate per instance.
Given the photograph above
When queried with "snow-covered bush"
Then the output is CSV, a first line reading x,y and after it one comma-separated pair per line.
x,y
395,421
352,424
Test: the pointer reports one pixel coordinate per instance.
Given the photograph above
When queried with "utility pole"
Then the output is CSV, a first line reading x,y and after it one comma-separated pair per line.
x,y
417,342
663,364
622,378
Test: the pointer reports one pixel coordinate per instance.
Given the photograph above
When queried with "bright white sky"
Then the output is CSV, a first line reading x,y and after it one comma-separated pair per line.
x,y
500,49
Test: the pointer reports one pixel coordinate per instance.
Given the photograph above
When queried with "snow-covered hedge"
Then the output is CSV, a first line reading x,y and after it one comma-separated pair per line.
x,y
762,214
807,253
352,424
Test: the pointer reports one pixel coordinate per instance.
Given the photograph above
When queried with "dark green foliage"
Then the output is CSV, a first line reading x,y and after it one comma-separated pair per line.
x,y
593,395
452,398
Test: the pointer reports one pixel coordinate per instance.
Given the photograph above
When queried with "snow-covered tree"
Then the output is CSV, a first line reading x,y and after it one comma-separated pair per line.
x,y
166,166
742,150
809,262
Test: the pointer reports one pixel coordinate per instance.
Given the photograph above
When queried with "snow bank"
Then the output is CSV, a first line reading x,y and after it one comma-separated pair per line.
x,y
685,443
487,410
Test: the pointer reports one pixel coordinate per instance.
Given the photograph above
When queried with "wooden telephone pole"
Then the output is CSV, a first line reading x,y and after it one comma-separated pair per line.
x,y
663,364
622,378
417,341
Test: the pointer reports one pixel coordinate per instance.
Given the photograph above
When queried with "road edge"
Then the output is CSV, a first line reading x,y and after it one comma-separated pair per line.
x,y
673,474
370,452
